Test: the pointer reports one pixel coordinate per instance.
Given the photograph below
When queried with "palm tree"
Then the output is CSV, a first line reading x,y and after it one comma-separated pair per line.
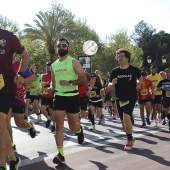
x,y
50,26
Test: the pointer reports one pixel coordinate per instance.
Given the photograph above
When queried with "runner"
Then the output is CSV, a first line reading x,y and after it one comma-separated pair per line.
x,y
164,85
144,99
123,78
67,74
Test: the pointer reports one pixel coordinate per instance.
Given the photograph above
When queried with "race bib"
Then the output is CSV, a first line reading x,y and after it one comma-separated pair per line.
x,y
45,91
113,98
93,93
144,92
123,103
32,87
2,84
167,93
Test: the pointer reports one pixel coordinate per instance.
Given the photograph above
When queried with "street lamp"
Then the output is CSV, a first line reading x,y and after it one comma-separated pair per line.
x,y
149,60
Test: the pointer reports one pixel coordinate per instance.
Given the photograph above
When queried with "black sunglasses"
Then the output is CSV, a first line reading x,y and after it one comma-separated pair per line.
x,y
92,76
62,45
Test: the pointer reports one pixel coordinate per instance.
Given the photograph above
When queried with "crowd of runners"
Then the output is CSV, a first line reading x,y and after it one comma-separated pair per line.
x,y
66,90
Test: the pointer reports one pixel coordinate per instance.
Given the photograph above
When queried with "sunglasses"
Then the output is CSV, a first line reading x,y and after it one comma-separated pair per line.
x,y
92,76
62,45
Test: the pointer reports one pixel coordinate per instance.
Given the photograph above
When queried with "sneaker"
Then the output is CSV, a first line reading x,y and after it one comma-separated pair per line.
x,y
129,144
48,122
114,118
59,159
163,122
32,130
14,148
155,124
80,136
14,165
93,128
143,125
53,128
148,121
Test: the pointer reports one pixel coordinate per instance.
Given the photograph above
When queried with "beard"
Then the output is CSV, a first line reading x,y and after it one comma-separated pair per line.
x,y
62,53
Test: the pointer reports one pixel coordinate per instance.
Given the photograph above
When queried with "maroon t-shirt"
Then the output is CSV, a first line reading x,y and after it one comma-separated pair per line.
x,y
9,44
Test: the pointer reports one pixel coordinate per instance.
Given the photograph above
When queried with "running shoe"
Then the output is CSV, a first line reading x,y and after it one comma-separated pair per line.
x,y
93,128
80,136
14,165
53,128
148,121
143,125
48,122
114,117
100,122
32,130
129,144
155,124
163,122
59,159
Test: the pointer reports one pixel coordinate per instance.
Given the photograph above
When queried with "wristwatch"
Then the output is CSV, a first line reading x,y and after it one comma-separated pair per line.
x,y
21,73
71,82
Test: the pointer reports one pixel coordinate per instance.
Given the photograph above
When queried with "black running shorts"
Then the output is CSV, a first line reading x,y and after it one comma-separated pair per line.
x,y
6,102
70,104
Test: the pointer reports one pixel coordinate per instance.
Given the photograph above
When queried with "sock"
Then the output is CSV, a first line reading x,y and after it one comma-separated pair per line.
x,y
12,158
12,144
3,165
60,150
129,136
79,131
30,126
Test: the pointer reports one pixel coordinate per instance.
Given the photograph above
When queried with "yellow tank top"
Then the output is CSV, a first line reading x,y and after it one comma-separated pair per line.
x,y
63,70
155,80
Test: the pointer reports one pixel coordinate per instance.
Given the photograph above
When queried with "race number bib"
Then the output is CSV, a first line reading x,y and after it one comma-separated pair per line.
x,y
123,103
45,91
93,93
167,93
2,84
32,87
112,99
144,92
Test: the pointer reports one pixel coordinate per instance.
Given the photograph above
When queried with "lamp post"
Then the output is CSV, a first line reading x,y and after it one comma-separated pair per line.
x,y
156,63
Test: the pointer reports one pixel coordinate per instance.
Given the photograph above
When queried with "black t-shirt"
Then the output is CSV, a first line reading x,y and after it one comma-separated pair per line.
x,y
125,88
166,91
95,91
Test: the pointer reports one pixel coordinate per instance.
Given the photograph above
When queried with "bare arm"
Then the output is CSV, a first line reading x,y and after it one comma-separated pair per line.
x,y
25,61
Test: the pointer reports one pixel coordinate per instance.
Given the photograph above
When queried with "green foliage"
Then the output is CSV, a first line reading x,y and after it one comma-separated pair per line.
x,y
7,24
38,54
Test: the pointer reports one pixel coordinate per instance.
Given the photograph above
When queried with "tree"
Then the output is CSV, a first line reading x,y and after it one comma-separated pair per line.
x,y
50,26
7,24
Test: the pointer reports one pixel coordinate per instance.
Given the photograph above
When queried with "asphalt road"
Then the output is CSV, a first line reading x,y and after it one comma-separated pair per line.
x,y
102,149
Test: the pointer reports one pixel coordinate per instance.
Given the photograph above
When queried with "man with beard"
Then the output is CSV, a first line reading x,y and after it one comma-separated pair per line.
x,y
67,74
47,98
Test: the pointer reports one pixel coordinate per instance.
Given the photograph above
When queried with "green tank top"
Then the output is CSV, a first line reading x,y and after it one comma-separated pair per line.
x,y
35,86
63,70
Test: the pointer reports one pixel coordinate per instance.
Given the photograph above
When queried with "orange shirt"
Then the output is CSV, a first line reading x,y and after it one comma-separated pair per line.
x,y
144,92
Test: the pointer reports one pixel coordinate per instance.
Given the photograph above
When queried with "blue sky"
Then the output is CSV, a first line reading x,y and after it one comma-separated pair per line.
x,y
105,16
